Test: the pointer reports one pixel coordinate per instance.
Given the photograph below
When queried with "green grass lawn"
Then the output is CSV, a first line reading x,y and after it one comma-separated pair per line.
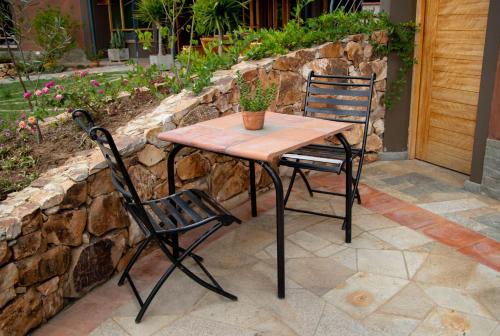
x,y
12,103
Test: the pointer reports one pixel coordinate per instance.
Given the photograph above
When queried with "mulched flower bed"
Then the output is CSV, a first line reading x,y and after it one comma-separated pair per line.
x,y
22,159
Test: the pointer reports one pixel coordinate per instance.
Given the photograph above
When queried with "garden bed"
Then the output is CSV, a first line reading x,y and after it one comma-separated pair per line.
x,y
23,159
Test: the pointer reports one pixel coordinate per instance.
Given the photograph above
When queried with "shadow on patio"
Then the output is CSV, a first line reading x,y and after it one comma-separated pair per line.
x,y
424,260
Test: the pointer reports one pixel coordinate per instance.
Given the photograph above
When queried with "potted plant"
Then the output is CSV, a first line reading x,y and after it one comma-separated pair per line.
x,y
253,107
162,15
118,50
216,17
94,57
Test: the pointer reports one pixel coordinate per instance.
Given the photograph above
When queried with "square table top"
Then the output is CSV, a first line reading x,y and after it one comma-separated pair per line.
x,y
281,134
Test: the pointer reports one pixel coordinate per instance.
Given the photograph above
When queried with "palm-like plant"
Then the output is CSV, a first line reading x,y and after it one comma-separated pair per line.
x,y
217,17
153,12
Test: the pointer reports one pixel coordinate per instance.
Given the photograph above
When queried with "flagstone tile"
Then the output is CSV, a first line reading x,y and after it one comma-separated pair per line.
x,y
308,241
331,230
401,237
391,324
319,275
483,277
373,222
336,322
456,299
445,322
453,205
363,293
446,271
347,257
383,203
194,326
330,250
490,298
411,302
272,326
413,217
366,240
414,261
384,262
486,251
108,328
292,250
451,234
301,310
148,326
242,313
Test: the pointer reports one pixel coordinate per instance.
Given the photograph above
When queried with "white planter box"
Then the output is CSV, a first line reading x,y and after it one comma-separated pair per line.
x,y
117,55
164,62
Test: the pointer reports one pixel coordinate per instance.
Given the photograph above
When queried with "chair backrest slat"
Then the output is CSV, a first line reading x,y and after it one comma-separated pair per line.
x,y
338,92
334,101
338,112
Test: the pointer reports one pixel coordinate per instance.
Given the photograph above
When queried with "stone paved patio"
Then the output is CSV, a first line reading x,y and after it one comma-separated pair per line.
x,y
420,264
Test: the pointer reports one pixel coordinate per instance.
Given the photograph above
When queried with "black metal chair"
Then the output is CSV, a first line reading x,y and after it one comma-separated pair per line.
x,y
342,99
161,220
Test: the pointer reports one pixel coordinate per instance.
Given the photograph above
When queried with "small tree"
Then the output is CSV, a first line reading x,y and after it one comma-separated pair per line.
x,y
54,34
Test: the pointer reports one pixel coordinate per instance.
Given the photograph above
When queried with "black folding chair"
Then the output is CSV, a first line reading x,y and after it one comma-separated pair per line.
x,y
343,99
161,220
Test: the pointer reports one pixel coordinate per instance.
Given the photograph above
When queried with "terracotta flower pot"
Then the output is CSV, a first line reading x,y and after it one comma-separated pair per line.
x,y
253,120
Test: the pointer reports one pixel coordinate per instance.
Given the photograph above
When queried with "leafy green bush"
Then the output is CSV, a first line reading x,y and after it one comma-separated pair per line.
x,y
54,33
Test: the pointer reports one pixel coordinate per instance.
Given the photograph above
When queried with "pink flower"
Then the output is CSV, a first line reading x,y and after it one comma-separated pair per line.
x,y
101,91
45,90
38,93
27,95
50,84
69,110
32,120
22,124
22,115
83,74
125,81
59,97
95,83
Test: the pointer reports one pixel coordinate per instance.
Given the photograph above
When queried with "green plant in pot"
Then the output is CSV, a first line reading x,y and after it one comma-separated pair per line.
x,y
253,106
163,16
217,17
118,50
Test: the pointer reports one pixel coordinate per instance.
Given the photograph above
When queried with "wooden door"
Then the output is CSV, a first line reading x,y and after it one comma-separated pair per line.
x,y
453,44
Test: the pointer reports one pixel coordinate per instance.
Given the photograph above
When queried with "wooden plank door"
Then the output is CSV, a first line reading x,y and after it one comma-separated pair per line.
x,y
453,44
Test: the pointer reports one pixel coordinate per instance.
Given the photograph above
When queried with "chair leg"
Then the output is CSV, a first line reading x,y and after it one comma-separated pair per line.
x,y
177,263
358,196
306,181
132,261
290,185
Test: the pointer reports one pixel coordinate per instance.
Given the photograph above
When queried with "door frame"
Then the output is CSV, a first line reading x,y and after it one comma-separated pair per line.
x,y
416,79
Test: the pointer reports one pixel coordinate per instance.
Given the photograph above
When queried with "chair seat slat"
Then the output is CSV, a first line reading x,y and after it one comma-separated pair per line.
x,y
196,200
174,212
186,208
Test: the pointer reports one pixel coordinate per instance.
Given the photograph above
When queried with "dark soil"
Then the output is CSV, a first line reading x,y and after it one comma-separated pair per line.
x,y
65,140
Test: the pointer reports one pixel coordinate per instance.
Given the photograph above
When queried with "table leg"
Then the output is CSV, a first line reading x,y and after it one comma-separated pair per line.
x,y
348,186
253,190
280,226
171,189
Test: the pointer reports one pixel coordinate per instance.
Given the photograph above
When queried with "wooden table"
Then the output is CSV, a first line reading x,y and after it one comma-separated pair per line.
x,y
282,133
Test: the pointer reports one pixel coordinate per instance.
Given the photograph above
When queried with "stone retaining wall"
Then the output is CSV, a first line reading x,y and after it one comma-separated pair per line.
x,y
68,231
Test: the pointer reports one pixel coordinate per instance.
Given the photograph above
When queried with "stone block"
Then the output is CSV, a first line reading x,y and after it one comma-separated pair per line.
x,y
9,276
192,166
49,286
150,155
94,263
43,266
53,303
289,88
10,228
198,114
30,215
75,194
228,180
22,315
105,214
101,183
28,245
325,66
6,295
355,52
380,37
66,228
5,253
330,50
